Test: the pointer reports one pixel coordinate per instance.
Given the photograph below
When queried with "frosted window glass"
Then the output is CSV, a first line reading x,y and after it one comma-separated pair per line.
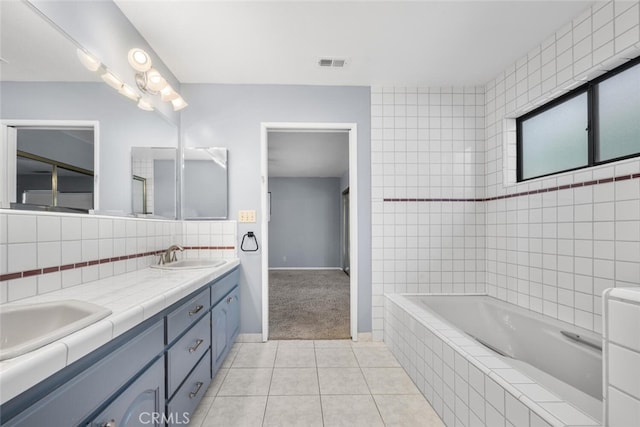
x,y
555,140
619,115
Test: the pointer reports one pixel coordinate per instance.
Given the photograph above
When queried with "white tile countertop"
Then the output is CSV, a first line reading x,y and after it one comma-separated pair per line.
x,y
132,297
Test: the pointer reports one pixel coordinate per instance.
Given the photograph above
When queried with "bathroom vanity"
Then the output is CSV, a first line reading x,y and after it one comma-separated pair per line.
x,y
154,373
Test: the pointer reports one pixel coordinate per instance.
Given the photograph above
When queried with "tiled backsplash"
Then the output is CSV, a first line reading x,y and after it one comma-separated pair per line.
x,y
448,215
42,252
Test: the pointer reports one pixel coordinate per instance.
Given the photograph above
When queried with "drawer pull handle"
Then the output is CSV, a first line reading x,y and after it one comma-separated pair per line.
x,y
196,310
229,300
193,394
195,347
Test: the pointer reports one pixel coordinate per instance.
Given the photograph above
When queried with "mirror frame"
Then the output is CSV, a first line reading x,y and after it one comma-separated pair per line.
x,y
8,154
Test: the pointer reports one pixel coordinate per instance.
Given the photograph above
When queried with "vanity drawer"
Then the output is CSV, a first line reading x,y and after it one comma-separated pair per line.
x,y
183,355
189,312
221,287
190,393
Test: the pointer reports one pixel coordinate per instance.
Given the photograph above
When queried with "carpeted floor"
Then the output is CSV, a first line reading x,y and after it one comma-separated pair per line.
x,y
308,304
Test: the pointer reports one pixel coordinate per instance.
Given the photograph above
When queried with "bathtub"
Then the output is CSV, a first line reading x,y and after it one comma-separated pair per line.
x,y
481,361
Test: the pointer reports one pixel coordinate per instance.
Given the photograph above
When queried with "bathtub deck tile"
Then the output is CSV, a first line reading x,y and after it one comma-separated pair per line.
x,y
540,416
512,376
568,414
537,393
491,362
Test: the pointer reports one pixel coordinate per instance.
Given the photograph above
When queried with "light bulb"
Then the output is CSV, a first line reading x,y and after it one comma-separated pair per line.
x,y
112,80
129,92
145,105
178,104
139,60
155,81
87,60
168,94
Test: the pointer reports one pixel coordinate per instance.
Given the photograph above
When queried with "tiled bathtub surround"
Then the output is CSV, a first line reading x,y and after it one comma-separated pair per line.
x,y
556,252
464,382
43,252
447,214
426,144
622,356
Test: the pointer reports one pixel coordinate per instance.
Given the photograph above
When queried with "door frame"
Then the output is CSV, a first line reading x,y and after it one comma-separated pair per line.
x,y
352,130
346,225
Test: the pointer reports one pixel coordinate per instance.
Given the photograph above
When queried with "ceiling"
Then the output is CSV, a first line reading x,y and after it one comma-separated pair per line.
x,y
311,154
407,43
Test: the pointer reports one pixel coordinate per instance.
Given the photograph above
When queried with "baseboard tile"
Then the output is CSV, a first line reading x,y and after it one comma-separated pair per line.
x,y
249,338
365,336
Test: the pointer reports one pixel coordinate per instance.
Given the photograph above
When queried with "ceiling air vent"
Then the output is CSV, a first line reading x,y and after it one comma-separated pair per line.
x,y
332,62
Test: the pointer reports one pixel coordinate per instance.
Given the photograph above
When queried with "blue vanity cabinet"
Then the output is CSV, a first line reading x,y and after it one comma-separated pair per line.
x,y
186,399
72,395
186,352
219,338
225,325
142,403
153,375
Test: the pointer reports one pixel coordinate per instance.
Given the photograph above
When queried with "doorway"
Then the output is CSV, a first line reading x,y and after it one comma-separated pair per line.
x,y
349,130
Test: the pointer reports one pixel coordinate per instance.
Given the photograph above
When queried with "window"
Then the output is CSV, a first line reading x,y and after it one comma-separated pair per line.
x,y
596,123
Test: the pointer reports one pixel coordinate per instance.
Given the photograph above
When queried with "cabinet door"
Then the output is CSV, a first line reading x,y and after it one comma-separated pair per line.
x,y
219,340
233,316
141,404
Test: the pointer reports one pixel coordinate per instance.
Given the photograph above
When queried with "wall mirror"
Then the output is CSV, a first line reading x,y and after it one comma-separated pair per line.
x,y
204,183
42,81
54,168
154,181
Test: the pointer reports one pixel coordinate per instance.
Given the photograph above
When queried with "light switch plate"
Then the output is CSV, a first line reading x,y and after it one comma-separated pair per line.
x,y
247,216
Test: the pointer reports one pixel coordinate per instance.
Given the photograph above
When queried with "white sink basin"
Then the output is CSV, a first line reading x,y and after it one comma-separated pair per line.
x,y
24,328
187,264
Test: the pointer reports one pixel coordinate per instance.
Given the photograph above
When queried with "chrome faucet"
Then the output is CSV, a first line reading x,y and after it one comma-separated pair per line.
x,y
170,254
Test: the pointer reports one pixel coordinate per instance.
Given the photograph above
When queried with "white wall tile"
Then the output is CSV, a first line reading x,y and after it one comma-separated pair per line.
x,y
21,228
71,228
49,254
624,323
623,369
49,228
22,288
21,257
624,411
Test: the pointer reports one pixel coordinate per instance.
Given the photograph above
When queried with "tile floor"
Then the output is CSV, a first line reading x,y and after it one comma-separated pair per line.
x,y
313,383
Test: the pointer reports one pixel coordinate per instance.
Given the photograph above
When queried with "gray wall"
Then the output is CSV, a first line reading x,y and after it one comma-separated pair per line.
x,y
304,231
230,116
122,126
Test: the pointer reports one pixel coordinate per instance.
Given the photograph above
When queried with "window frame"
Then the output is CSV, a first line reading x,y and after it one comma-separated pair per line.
x,y
591,89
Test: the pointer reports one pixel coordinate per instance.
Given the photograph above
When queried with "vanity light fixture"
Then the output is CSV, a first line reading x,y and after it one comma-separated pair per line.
x,y
139,60
168,94
90,63
178,104
112,80
145,105
149,80
129,93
